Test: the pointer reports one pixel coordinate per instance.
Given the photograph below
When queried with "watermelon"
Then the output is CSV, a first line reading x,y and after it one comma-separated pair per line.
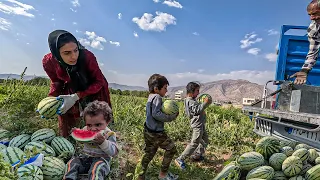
x,y
231,171
276,161
316,161
202,97
29,172
313,154
287,150
83,135
44,134
61,144
297,178
170,107
12,154
49,106
53,168
250,160
267,146
263,172
20,141
4,134
289,143
292,166
2,146
279,175
302,153
305,168
301,145
40,147
313,173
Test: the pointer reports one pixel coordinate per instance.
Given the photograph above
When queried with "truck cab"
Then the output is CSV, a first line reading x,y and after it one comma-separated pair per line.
x,y
295,114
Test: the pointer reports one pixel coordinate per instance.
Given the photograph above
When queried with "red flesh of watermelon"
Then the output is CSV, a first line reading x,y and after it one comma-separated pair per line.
x,y
83,135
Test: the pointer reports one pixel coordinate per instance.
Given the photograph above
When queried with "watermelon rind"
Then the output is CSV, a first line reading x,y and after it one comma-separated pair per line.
x,y
78,135
49,106
263,172
170,107
279,175
231,171
292,166
53,168
302,153
313,173
276,161
12,154
313,154
30,172
267,146
40,147
2,146
61,144
20,141
250,160
287,150
44,134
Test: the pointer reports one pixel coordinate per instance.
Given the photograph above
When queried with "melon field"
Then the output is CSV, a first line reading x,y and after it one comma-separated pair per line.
x,y
230,132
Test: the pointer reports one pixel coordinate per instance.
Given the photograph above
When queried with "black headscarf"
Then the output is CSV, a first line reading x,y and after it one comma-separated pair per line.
x,y
77,72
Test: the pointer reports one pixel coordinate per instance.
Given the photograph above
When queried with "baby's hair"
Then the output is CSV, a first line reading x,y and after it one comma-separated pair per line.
x,y
98,107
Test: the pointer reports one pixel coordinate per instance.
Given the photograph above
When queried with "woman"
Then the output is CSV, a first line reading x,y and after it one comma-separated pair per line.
x,y
75,77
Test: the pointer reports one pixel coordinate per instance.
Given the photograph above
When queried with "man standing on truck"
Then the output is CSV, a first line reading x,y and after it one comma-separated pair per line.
x,y
314,39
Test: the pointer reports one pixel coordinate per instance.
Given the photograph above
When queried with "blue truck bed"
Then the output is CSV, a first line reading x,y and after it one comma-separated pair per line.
x,y
283,124
293,50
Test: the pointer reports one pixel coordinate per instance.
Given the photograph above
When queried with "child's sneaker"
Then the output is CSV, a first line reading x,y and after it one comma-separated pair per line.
x,y
180,163
169,176
197,157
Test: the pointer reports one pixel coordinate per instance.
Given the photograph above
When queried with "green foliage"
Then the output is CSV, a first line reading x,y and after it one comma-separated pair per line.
x,y
230,132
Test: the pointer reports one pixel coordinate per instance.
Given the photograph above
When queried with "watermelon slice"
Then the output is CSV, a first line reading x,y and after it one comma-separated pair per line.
x,y
83,135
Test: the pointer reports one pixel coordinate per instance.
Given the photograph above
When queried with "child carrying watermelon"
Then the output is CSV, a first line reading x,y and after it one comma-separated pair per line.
x,y
96,155
195,112
154,133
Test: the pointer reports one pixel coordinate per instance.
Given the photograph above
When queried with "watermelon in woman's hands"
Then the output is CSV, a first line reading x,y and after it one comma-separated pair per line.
x,y
83,135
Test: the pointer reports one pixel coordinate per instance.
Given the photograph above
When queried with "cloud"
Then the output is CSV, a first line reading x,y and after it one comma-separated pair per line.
x,y
178,79
17,8
75,3
135,34
156,1
254,51
249,39
93,40
200,70
74,23
172,3
196,33
119,16
73,10
158,23
272,57
272,32
114,43
4,24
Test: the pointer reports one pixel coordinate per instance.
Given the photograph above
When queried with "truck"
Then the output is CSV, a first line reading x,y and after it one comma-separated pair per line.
x,y
295,113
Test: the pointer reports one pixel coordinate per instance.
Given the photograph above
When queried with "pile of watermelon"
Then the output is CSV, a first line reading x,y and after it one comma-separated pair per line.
x,y
275,159
19,149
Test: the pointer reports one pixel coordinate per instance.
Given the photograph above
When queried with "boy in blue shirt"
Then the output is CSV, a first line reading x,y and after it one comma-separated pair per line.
x,y
154,133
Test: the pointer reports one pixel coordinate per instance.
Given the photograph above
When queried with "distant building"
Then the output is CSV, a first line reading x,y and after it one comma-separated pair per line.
x,y
178,95
248,101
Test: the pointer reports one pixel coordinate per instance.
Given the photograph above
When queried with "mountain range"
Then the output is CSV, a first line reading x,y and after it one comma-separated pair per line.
x,y
222,90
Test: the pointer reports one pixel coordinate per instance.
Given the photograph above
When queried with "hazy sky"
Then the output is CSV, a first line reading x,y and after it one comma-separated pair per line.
x,y
185,40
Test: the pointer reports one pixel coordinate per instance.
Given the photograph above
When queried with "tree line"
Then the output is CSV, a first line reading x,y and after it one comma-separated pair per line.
x,y
41,81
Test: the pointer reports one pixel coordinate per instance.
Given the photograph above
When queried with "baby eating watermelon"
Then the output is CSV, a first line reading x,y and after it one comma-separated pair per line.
x,y
97,151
